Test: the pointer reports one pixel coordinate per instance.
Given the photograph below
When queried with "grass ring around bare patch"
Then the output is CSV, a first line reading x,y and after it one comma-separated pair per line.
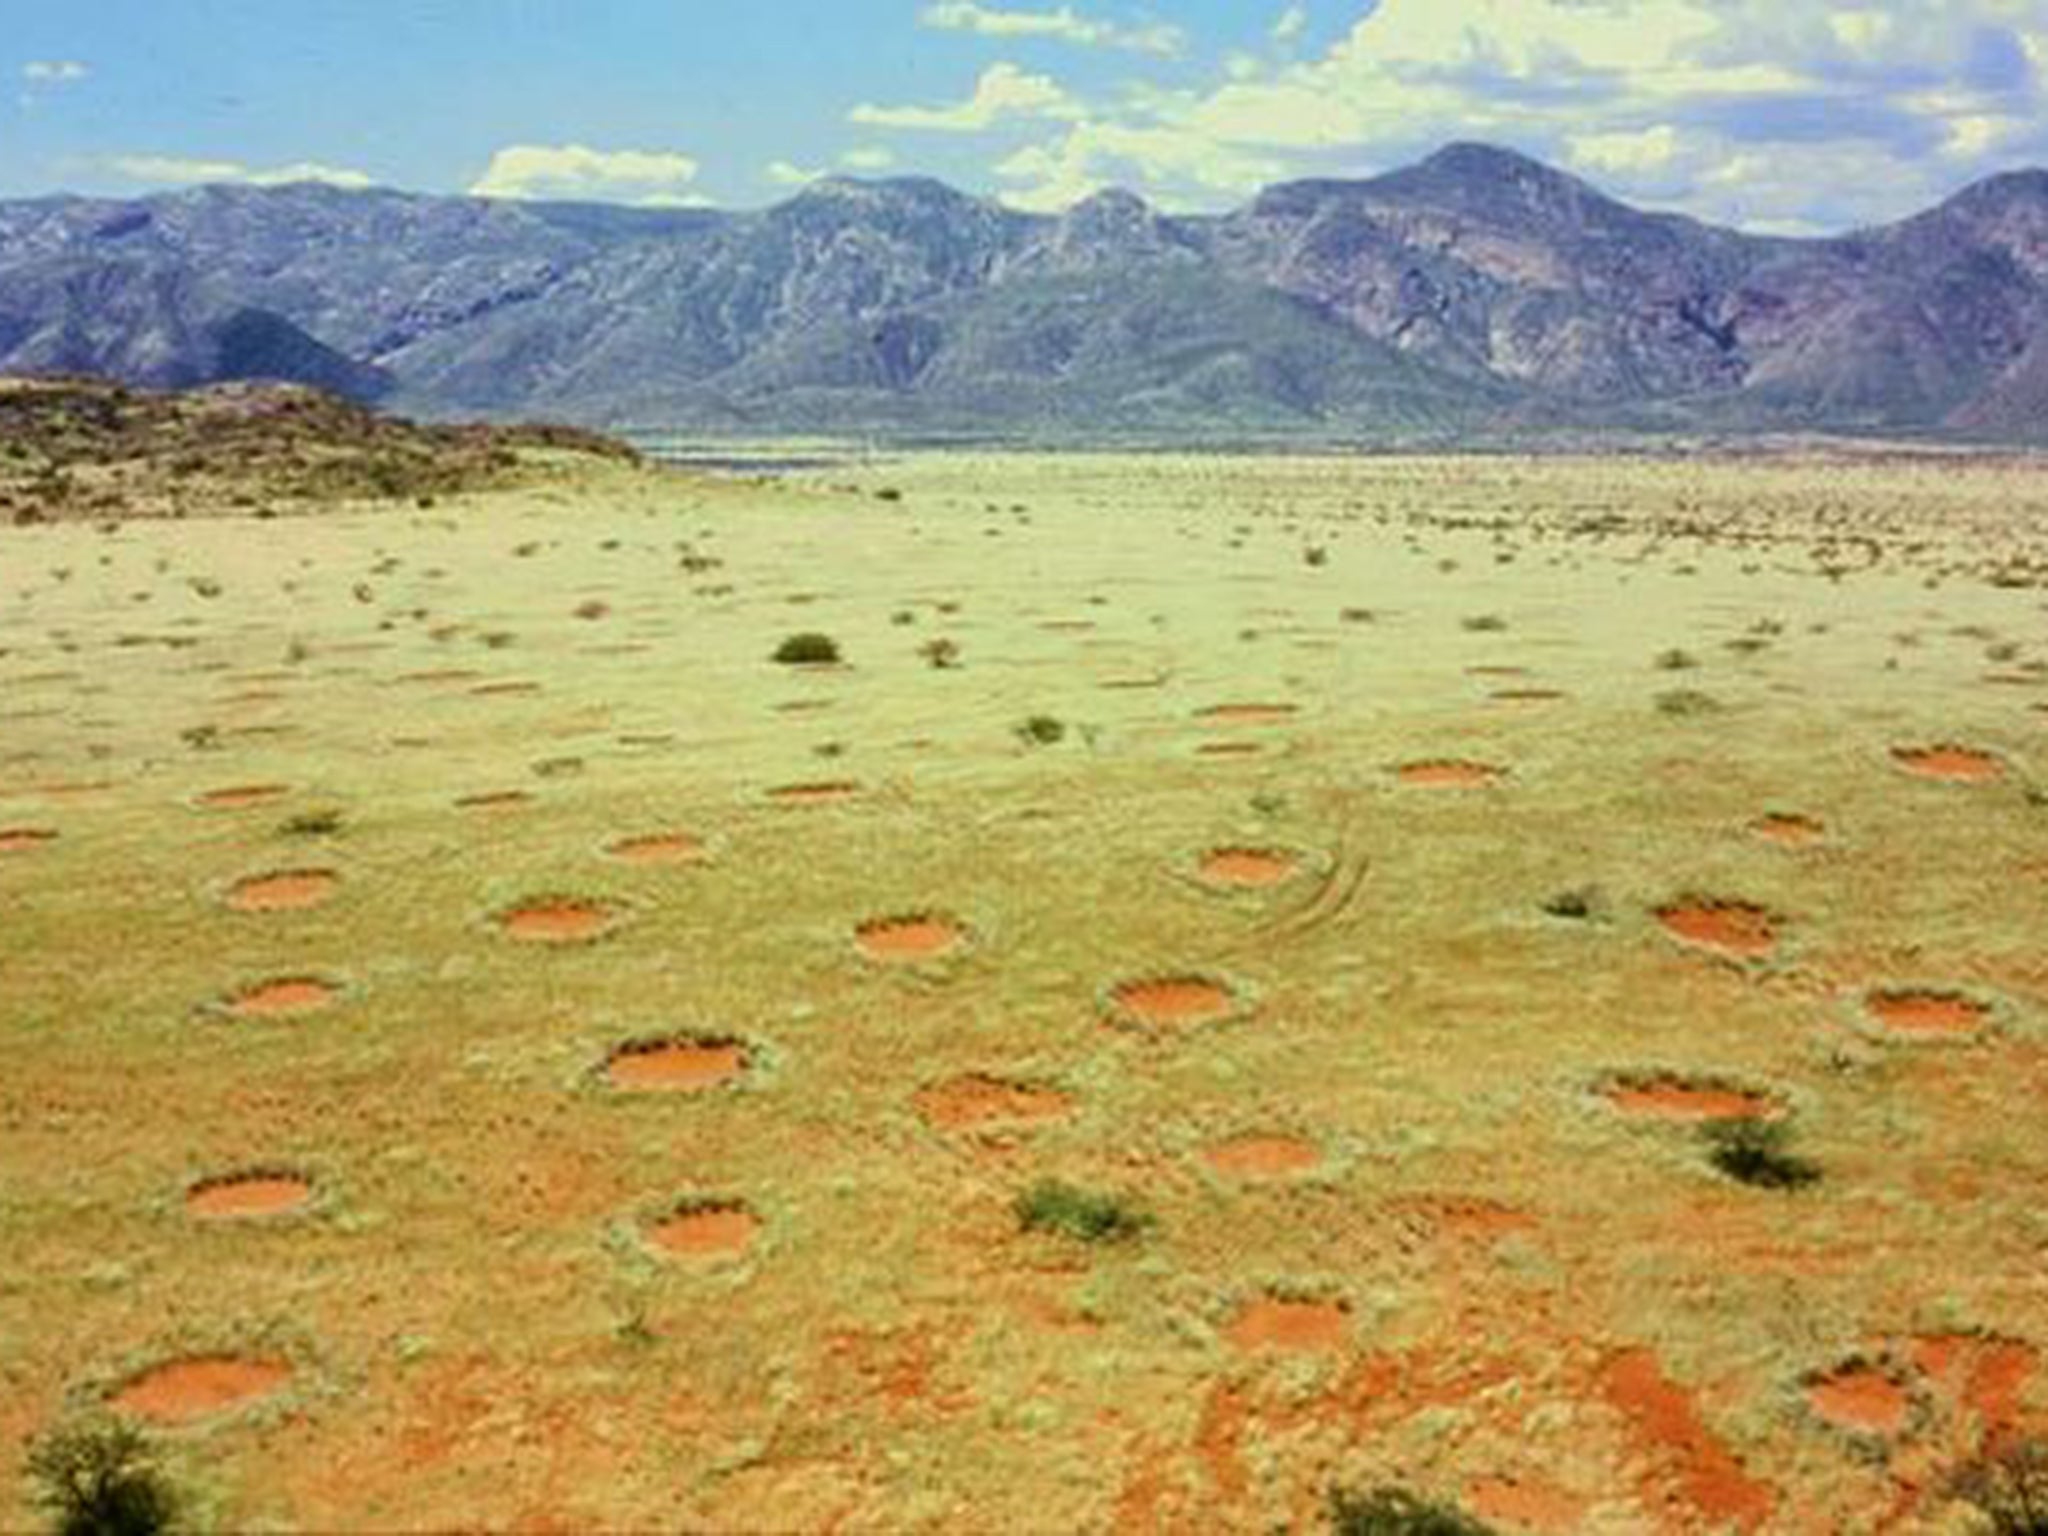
x,y
558,920
704,1229
1247,867
260,1192
1167,1001
285,995
921,937
1926,1015
1667,1096
1872,1400
1725,927
682,1062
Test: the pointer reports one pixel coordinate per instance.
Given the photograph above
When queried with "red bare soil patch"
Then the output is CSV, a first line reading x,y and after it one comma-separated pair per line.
x,y
239,797
658,848
1667,1428
1274,1322
1675,1098
1919,1015
21,839
247,1195
1449,774
1247,869
1734,928
908,940
559,921
285,997
1263,1157
1789,831
1950,764
676,1066
711,1231
962,1103
287,890
1173,1000
184,1390
1526,1504
1247,714
830,793
494,800
1862,1400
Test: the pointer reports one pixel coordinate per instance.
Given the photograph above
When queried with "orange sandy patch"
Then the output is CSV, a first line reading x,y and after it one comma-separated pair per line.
x,y
658,848
1273,1322
1862,1400
1448,774
289,890
1927,1015
1950,764
907,940
706,1231
1526,1504
238,797
1173,1000
1672,1098
558,922
1789,831
1734,928
285,997
1680,1450
962,1103
21,839
246,1195
1263,1157
677,1066
185,1390
1247,868
1247,714
830,793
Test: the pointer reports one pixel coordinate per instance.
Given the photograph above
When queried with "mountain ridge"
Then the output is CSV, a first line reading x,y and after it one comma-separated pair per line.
x,y
1475,289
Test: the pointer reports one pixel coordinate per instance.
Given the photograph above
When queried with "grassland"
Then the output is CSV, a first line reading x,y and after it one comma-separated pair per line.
x,y
1431,848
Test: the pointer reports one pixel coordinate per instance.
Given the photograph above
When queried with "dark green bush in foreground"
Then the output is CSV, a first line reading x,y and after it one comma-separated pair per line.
x,y
1052,1206
807,650
1396,1512
101,1479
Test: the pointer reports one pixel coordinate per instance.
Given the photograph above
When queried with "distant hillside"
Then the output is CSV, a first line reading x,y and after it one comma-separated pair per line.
x,y
1476,291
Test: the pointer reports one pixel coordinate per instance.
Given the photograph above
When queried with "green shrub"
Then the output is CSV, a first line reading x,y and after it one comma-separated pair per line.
x,y
1758,1152
1053,1206
1042,731
1396,1512
1684,702
101,1478
2009,1488
807,650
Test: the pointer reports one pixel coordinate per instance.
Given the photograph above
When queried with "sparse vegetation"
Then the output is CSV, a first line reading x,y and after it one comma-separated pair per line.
x,y
1687,703
102,1478
2008,1487
1053,1206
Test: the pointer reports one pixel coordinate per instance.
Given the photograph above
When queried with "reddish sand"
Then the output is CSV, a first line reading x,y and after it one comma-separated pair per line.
x,y
557,922
1173,1000
1928,1015
1263,1157
1526,1504
706,1232
241,796
290,890
815,794
1732,928
907,940
1678,1446
21,839
1676,1099
283,998
1247,868
494,800
1272,1322
184,1390
1862,1400
1789,831
658,848
249,1195
1247,714
1950,764
677,1066
975,1100
1449,775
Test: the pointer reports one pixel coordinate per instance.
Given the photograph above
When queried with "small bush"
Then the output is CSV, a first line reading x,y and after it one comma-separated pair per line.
x,y
1758,1152
1574,906
1682,703
1053,1206
1675,660
2009,1488
807,650
1486,624
1042,731
102,1479
312,824
941,654
1396,1512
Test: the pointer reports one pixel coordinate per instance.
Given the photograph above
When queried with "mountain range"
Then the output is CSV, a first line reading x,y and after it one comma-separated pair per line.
x,y
1476,291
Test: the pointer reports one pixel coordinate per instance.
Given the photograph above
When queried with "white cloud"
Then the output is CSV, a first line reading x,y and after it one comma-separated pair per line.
x,y
181,171
1292,23
573,172
1003,91
785,174
1651,149
1063,25
54,71
868,157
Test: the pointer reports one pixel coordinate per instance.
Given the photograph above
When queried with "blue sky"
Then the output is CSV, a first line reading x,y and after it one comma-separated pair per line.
x,y
1776,114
